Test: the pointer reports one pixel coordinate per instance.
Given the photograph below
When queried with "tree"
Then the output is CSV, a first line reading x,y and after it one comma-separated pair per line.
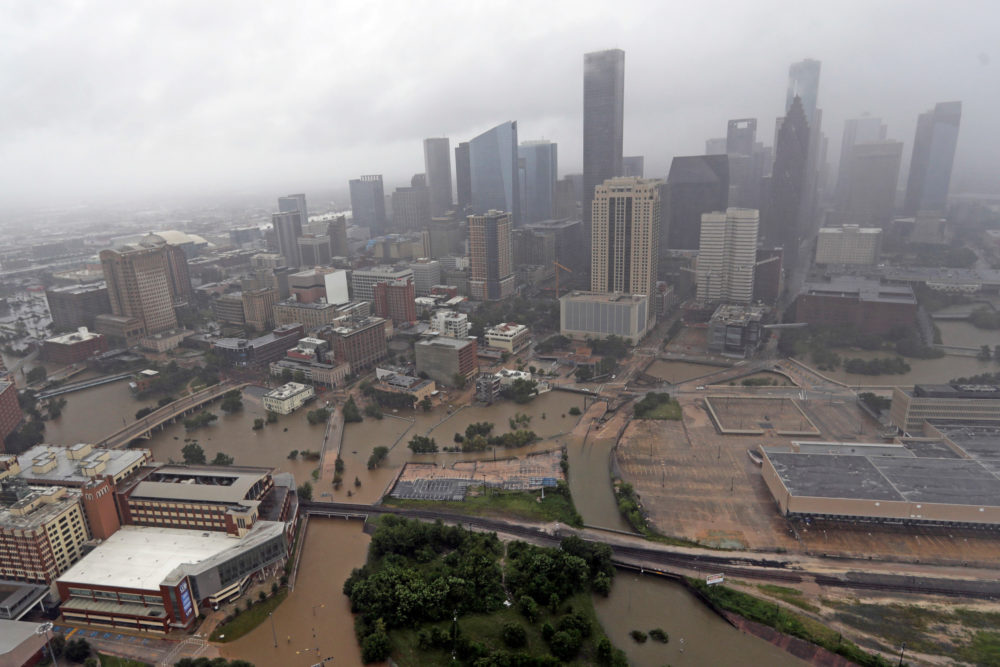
x,y
575,411
76,650
305,491
222,459
232,401
286,375
425,404
984,353
521,391
513,635
373,410
142,412
421,444
318,416
378,455
351,412
375,647
258,423
565,644
459,380
193,454
36,374
272,417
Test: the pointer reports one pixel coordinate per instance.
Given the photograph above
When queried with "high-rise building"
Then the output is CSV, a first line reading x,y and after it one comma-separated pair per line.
x,y
603,122
463,176
803,82
426,274
865,130
363,281
539,187
314,250
727,255
258,307
933,155
625,236
368,204
287,230
74,306
140,286
394,300
437,166
337,232
741,134
633,165
297,202
715,146
782,226
849,244
868,195
411,207
491,265
493,171
696,184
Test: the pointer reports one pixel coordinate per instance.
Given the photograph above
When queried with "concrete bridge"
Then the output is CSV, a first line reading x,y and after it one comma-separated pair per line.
x,y
84,384
169,413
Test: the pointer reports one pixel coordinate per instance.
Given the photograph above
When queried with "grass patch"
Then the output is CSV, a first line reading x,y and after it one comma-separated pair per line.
x,y
790,595
657,406
631,510
983,650
115,661
790,623
557,506
246,621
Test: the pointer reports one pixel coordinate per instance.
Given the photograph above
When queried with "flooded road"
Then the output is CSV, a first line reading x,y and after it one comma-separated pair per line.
x,y
317,614
679,371
697,635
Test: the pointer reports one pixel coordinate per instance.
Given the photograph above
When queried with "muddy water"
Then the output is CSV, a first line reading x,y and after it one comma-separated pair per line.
x,y
317,614
964,334
679,371
590,484
697,636
93,414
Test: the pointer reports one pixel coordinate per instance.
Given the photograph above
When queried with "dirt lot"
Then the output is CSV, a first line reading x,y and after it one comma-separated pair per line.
x,y
702,486
747,413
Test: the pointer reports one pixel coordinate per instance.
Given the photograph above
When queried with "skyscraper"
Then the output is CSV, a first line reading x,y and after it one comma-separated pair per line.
x,y
868,196
139,286
291,203
863,130
803,82
463,176
727,253
782,227
696,184
603,122
493,171
932,159
337,231
633,165
411,207
625,236
540,160
368,204
287,230
491,265
741,134
437,166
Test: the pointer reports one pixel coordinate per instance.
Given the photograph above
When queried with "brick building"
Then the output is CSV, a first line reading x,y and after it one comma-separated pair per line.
x,y
10,410
868,305
73,347
358,341
395,300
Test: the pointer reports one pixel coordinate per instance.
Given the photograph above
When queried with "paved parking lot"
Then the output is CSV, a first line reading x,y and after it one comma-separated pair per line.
x,y
145,649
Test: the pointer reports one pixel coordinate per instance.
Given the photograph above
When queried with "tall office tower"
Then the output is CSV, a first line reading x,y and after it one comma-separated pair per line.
x,y
291,203
603,122
715,146
368,204
493,171
696,184
803,82
337,231
411,207
463,176
491,265
782,226
314,250
741,135
727,255
288,229
437,166
139,286
633,165
932,159
177,268
868,195
625,236
539,187
566,201
864,130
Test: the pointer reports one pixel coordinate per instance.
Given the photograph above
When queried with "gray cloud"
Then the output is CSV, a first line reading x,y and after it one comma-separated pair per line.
x,y
104,99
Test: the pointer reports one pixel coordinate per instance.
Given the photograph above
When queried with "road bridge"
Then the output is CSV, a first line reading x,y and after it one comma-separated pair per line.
x,y
83,384
169,413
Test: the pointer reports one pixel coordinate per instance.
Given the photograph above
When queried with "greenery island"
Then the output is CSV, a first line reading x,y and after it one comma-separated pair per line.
x,y
429,592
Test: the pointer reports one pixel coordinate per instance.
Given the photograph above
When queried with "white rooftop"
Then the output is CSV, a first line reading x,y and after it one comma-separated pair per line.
x,y
141,557
287,390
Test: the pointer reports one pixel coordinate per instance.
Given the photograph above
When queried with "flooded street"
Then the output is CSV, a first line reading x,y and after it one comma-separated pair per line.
x,y
317,614
679,371
697,635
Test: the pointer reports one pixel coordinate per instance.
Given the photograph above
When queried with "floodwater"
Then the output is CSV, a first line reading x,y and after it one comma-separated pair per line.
x,y
679,371
93,414
315,621
590,484
964,334
697,635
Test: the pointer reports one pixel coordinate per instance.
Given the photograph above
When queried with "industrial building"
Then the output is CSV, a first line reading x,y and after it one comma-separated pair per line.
x,y
601,314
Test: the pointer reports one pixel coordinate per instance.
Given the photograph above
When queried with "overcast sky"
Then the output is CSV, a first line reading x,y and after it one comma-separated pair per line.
x,y
159,98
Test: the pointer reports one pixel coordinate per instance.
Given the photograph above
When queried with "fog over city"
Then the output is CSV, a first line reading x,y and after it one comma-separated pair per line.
x,y
122,100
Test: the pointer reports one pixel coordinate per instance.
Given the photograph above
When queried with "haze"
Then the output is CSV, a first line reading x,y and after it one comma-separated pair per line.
x,y
120,100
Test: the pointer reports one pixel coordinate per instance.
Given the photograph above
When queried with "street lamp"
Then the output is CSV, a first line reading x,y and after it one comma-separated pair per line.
x,y
274,635
43,630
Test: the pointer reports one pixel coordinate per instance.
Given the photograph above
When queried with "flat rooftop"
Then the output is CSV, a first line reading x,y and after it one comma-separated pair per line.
x,y
142,557
222,484
865,289
287,390
70,470
603,297
445,341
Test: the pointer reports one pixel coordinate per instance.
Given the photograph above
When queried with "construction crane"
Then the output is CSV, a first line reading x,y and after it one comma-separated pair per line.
x,y
559,266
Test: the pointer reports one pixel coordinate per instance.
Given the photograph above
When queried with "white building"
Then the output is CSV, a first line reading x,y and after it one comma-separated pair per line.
x,y
452,324
287,398
727,254
364,280
336,287
849,244
598,315
509,336
426,274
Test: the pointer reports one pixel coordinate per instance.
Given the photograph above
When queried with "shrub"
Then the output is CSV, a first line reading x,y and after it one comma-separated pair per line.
x,y
575,411
659,635
639,636
513,635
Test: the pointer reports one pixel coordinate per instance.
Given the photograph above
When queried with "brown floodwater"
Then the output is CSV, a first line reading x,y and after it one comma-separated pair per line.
x,y
317,614
679,371
697,635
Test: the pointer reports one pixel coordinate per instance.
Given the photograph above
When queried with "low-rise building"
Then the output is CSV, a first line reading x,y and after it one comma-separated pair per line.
x,y
360,341
74,306
42,531
228,309
954,402
736,330
509,336
310,315
487,388
451,323
288,397
316,372
363,281
415,387
849,244
258,352
121,330
599,315
868,305
444,359
258,307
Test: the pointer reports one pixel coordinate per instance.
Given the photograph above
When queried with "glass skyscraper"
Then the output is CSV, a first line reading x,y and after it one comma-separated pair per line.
x,y
933,156
603,122
493,171
538,191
